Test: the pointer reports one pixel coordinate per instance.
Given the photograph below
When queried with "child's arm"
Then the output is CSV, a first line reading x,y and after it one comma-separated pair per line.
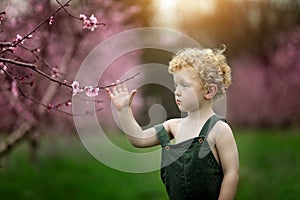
x,y
122,99
228,154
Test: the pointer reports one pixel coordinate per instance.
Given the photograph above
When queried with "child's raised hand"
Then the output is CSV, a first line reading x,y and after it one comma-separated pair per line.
x,y
120,96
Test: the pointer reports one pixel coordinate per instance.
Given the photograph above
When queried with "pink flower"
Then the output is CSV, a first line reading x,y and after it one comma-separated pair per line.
x,y
82,17
75,87
90,91
50,106
55,72
91,23
93,19
51,20
68,103
12,49
19,38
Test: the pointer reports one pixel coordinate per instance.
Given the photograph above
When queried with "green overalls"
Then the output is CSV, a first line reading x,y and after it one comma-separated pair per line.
x,y
189,169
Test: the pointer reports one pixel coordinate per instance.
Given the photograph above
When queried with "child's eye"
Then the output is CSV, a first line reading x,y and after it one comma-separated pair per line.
x,y
176,85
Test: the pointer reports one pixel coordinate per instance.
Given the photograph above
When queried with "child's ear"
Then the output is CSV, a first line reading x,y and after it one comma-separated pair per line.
x,y
211,91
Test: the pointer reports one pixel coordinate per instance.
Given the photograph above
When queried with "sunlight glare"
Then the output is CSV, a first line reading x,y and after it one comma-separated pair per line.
x,y
165,12
171,13
206,7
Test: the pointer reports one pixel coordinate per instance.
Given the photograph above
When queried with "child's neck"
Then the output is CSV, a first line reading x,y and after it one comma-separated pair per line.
x,y
201,114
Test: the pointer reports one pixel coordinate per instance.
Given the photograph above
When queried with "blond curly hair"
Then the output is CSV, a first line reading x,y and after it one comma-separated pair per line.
x,y
211,65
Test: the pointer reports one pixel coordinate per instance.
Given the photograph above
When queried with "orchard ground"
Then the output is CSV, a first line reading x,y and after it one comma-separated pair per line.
x,y
269,160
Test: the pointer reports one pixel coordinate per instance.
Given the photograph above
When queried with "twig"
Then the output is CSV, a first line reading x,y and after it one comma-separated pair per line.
x,y
5,44
114,84
23,64
38,26
76,16
56,109
34,68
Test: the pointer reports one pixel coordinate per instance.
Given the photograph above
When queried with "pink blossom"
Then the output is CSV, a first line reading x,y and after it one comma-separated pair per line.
x,y
68,103
90,91
91,23
55,72
12,48
50,106
93,19
82,17
76,88
19,38
51,20
14,88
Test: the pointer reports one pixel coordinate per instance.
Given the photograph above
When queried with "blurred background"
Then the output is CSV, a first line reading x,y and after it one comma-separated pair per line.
x,y
41,156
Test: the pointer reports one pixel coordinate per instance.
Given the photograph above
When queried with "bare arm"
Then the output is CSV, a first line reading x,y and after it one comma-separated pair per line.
x,y
228,154
122,99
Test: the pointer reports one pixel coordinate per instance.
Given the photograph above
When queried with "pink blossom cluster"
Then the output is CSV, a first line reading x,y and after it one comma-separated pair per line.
x,y
90,23
19,38
90,91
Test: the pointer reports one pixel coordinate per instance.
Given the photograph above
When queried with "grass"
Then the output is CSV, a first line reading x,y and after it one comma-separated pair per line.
x,y
269,169
270,161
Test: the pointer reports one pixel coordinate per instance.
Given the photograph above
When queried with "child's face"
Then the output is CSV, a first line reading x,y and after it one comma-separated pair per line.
x,y
189,93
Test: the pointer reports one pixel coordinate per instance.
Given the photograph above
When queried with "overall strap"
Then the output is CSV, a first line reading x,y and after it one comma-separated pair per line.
x,y
209,124
162,135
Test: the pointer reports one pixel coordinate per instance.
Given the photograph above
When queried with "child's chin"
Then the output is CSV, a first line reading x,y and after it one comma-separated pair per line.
x,y
181,109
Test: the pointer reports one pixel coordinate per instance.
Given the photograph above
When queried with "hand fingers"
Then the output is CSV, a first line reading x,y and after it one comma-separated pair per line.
x,y
111,90
114,90
108,92
124,87
119,86
132,93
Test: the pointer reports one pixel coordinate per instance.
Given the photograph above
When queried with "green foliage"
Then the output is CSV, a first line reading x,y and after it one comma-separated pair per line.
x,y
269,169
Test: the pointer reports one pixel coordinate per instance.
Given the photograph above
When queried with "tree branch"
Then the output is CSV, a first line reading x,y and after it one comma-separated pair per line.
x,y
38,26
22,64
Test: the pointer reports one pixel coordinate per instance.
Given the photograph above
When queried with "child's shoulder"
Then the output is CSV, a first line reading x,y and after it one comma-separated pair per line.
x,y
172,122
221,126
171,126
221,130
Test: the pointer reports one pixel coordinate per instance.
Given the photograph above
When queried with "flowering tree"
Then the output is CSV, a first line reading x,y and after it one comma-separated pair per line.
x,y
266,86
41,48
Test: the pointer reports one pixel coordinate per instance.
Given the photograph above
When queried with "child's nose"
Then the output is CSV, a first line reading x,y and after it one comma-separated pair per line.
x,y
177,92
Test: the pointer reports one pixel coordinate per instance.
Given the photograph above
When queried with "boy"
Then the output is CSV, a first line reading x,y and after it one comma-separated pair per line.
x,y
203,162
